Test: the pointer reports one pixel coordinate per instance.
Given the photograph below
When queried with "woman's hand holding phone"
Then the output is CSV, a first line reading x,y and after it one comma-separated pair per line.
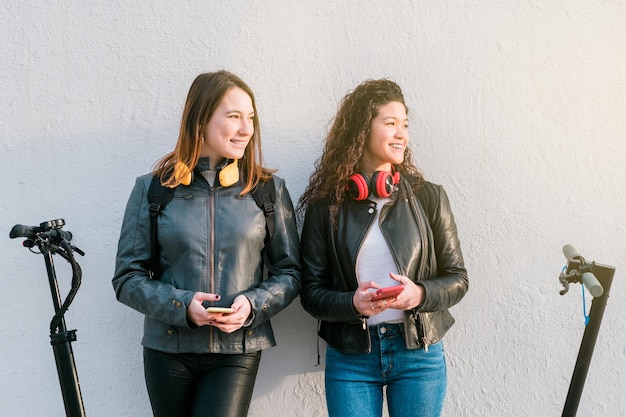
x,y
369,303
412,295
196,312
231,322
404,296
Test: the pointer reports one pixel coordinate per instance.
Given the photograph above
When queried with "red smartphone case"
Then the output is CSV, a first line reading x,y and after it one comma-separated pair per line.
x,y
387,292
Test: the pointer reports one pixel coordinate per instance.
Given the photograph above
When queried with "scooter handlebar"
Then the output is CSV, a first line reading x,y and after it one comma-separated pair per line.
x,y
589,280
592,284
51,229
20,230
570,252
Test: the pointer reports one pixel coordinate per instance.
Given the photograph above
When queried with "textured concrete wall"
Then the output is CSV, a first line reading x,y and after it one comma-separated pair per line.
x,y
517,108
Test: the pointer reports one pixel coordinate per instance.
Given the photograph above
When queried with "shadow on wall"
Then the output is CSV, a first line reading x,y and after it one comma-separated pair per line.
x,y
295,351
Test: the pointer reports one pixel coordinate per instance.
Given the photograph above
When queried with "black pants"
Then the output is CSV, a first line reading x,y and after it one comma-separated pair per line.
x,y
200,385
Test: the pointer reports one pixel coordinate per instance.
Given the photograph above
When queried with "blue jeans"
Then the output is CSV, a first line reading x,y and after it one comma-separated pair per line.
x,y
415,380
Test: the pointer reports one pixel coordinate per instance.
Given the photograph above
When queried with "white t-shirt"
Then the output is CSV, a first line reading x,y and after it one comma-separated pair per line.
x,y
374,262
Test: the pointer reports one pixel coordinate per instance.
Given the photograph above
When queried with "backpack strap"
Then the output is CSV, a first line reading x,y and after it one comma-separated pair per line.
x,y
265,195
158,197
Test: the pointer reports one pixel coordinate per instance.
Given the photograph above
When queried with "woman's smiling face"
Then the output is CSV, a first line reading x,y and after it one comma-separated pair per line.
x,y
230,128
388,139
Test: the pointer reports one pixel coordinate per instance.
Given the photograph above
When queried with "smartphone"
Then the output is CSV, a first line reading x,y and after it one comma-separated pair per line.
x,y
225,310
387,292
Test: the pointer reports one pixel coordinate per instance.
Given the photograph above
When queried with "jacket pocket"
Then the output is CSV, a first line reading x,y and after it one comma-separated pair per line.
x,y
432,326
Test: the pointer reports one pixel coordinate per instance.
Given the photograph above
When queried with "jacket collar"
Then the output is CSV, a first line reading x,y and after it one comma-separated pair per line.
x,y
204,164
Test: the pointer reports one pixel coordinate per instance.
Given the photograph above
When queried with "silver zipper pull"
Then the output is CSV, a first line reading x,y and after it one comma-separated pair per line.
x,y
425,344
364,321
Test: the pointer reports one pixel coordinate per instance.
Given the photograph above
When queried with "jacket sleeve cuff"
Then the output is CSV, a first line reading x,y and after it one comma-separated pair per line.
x,y
419,306
180,301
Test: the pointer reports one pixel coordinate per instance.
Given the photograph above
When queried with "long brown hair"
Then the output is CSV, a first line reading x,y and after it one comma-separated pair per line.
x,y
205,94
345,143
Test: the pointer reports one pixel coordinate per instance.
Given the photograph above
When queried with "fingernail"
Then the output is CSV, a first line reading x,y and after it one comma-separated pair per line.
x,y
217,297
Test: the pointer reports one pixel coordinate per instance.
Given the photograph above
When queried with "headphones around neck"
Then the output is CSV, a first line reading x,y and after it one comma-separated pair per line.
x,y
382,185
227,176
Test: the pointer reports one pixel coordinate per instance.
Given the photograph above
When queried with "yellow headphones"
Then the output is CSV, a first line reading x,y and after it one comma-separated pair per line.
x,y
228,175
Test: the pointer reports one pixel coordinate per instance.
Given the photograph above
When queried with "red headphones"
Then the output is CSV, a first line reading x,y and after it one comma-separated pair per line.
x,y
382,185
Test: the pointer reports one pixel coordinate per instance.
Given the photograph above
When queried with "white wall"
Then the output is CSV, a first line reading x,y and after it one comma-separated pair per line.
x,y
517,108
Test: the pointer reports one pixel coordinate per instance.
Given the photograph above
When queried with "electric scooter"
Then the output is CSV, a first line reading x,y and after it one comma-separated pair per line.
x,y
51,240
597,279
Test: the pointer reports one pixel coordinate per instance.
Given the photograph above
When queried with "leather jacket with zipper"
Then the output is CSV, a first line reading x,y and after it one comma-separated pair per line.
x,y
422,237
211,240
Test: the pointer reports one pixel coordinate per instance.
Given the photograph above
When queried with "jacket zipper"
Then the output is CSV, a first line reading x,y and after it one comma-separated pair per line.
x,y
424,335
416,316
424,235
211,207
371,209
393,254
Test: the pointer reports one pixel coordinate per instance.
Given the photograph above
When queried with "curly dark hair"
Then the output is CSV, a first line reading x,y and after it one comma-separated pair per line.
x,y
345,143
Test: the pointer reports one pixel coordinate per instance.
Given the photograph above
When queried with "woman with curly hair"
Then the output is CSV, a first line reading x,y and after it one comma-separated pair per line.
x,y
372,222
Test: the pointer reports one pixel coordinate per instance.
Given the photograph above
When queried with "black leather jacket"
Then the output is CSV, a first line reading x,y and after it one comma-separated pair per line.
x,y
211,240
422,236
